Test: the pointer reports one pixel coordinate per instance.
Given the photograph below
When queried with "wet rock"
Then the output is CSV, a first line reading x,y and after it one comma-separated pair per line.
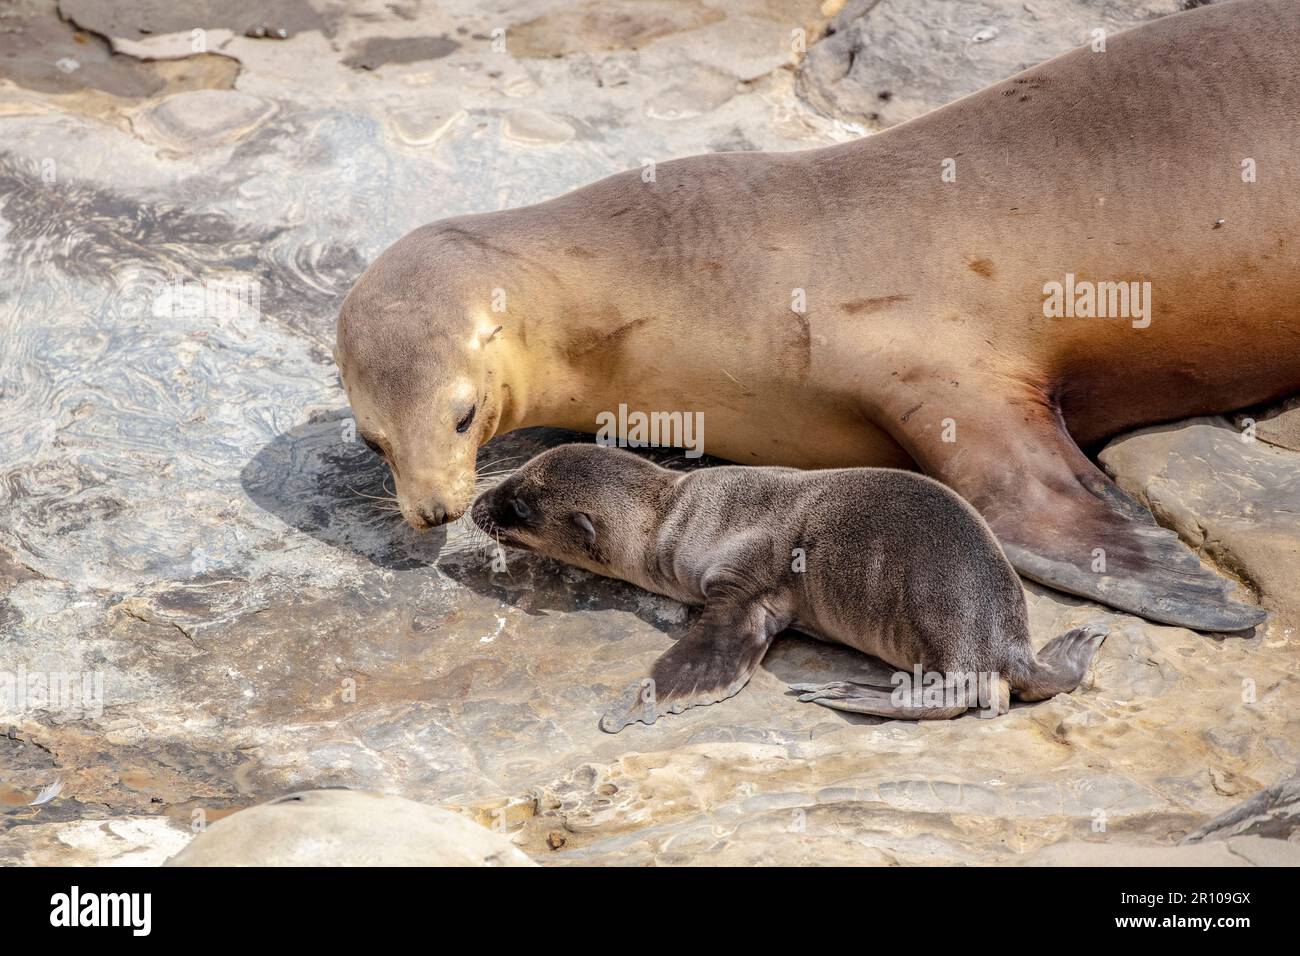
x,y
535,128
424,125
190,519
347,828
202,118
883,62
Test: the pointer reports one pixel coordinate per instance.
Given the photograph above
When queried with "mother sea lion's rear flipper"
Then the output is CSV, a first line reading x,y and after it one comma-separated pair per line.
x,y
712,662
1063,523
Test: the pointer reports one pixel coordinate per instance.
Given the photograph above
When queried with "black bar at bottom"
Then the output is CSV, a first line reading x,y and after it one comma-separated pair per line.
x,y
700,908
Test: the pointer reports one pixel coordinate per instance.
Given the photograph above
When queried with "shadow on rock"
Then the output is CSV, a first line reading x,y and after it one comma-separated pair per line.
x,y
538,586
318,478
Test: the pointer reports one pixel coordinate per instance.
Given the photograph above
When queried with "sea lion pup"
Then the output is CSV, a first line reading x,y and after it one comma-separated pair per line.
x,y
984,292
889,562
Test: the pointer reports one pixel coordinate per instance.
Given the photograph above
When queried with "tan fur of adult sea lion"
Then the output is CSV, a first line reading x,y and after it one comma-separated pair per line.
x,y
924,300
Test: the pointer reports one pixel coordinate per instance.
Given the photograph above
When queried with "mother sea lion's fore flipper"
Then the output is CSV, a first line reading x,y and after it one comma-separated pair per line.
x,y
712,662
1061,521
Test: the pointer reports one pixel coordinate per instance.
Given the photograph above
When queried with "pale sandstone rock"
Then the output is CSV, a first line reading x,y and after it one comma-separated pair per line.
x,y
202,118
598,25
887,61
1273,813
1277,424
1238,851
94,841
425,125
535,127
184,513
1236,501
347,828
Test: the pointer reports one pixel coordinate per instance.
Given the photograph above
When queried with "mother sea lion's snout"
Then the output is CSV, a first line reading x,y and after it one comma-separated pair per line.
x,y
432,515
428,496
428,515
433,494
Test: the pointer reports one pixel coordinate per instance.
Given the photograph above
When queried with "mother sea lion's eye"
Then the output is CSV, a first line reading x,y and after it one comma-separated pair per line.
x,y
464,423
373,447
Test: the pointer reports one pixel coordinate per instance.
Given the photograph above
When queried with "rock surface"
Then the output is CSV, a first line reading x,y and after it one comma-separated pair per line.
x,y
189,559
1239,851
1231,496
1276,424
1273,813
347,828
887,61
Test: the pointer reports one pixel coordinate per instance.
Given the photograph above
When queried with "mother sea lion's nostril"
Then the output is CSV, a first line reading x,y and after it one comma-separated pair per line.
x,y
434,515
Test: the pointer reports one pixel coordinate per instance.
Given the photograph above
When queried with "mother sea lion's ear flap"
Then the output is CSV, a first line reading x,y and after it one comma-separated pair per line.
x,y
487,333
584,524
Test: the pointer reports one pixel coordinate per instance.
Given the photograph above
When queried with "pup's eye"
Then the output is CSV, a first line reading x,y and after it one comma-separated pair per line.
x,y
373,447
462,426
522,511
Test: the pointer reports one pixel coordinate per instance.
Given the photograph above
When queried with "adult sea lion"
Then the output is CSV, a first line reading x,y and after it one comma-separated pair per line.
x,y
923,257
886,561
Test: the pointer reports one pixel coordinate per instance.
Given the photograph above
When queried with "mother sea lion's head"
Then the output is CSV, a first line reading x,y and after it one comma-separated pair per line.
x,y
424,370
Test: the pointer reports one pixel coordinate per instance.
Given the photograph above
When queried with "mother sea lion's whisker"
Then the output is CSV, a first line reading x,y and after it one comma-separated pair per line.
x,y
501,461
362,494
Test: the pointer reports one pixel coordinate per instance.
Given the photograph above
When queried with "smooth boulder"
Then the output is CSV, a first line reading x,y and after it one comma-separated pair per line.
x,y
347,828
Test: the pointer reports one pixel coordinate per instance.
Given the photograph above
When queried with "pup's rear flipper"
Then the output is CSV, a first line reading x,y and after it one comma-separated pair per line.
x,y
1062,522
910,704
712,662
1061,663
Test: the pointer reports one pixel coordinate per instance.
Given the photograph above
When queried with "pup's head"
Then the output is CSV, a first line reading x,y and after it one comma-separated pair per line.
x,y
424,375
591,506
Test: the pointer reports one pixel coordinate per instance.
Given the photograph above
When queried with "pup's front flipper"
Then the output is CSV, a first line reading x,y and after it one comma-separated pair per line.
x,y
1059,519
712,662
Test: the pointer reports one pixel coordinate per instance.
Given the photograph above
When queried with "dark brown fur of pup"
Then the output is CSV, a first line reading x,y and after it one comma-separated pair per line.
x,y
895,565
